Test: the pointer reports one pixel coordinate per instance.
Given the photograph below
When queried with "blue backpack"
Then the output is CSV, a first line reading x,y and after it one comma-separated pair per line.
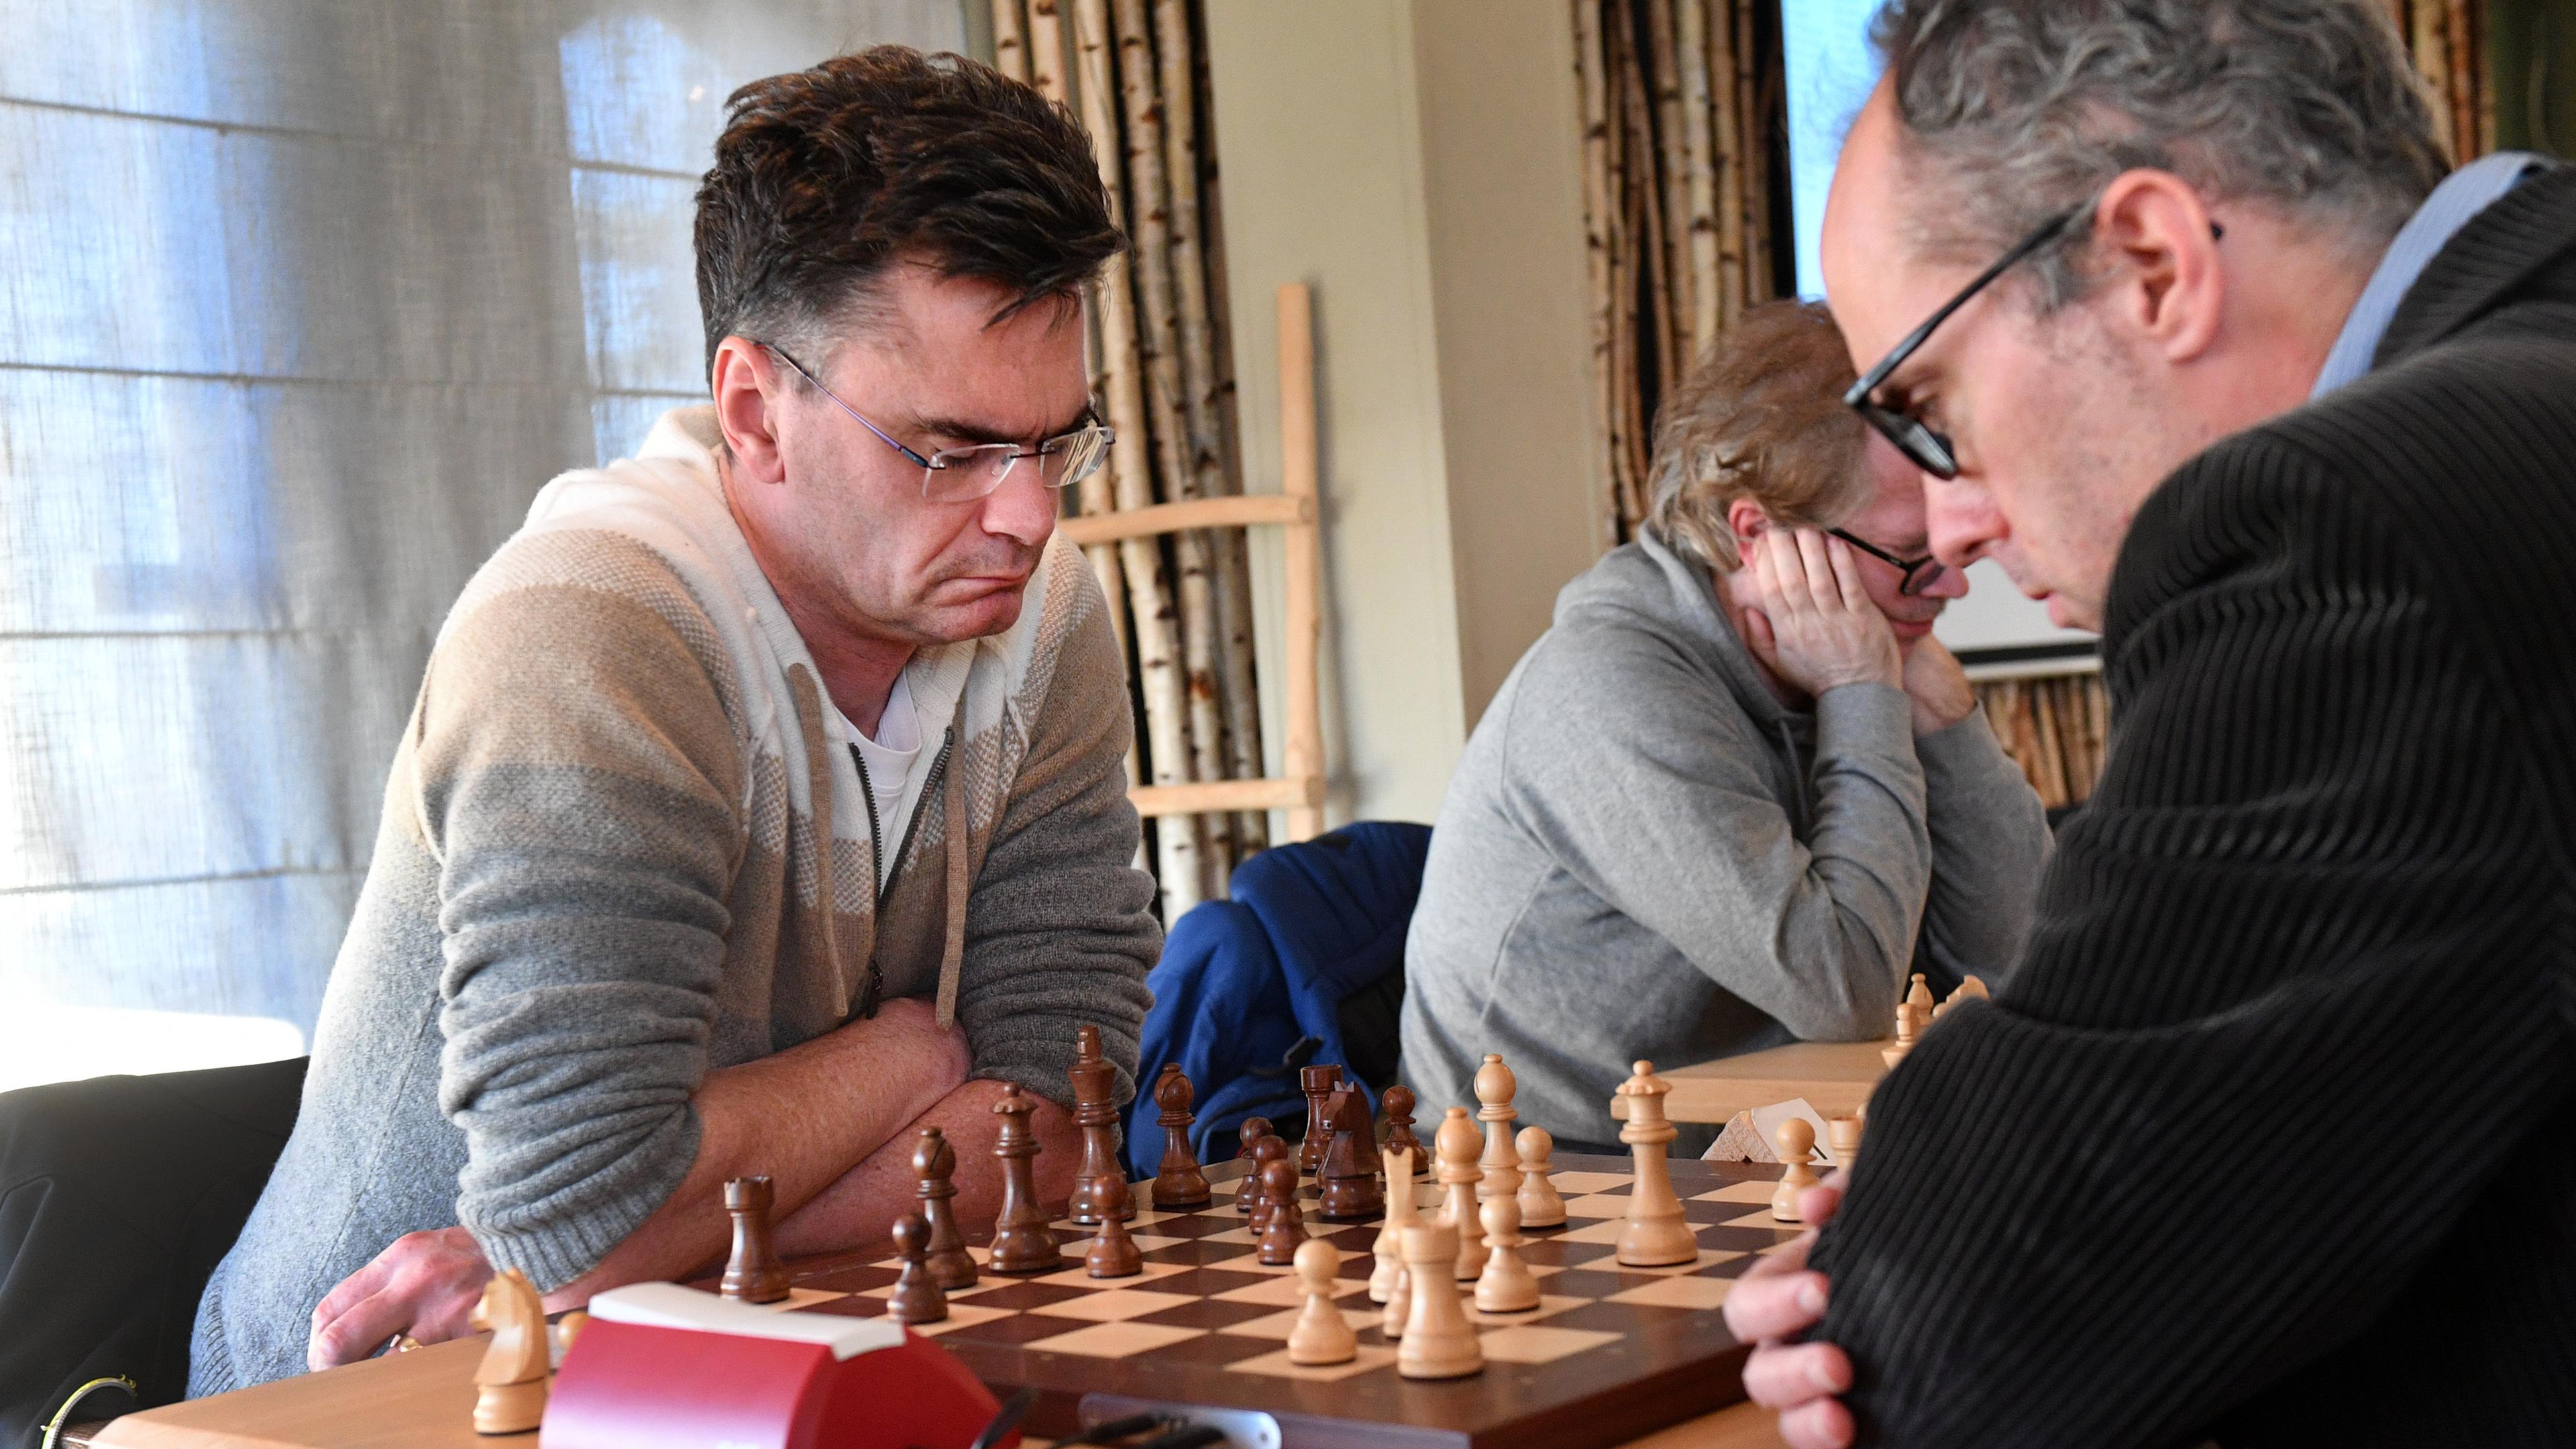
x,y
1305,965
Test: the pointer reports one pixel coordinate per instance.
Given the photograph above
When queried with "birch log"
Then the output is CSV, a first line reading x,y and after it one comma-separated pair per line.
x,y
1728,114
1758,88
1159,339
1591,86
1238,699
1177,855
1623,277
1672,198
1010,40
2432,47
1690,44
2459,40
1650,240
1048,70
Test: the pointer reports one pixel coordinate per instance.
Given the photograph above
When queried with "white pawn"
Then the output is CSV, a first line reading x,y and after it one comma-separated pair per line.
x,y
1321,1334
1506,1285
1399,1299
1456,1144
1495,1085
1542,1206
1400,1214
1797,1142
1439,1342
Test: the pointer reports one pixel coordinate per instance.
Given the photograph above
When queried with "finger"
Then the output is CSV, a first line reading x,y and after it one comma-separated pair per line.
x,y
1847,574
358,1332
1785,1375
1822,586
357,1287
1766,572
1817,1424
1818,1204
1759,1308
1759,638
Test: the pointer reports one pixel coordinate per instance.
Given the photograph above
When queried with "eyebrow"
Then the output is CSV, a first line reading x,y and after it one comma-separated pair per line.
x,y
974,433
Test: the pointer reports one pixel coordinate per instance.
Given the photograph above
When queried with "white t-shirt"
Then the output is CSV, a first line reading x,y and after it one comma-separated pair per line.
x,y
890,756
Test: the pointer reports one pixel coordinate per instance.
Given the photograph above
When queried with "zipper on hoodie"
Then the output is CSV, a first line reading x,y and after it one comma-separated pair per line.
x,y
874,991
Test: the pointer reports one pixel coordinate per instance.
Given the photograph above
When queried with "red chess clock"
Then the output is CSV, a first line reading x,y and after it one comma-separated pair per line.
x,y
666,1367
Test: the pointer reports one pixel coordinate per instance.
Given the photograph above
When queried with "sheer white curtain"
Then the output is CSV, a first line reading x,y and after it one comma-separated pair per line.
x,y
300,302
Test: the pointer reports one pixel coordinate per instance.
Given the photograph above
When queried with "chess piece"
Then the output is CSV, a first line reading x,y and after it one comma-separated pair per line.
x,y
1247,1191
1456,1142
1542,1206
1506,1285
753,1274
1399,1127
1179,1183
1905,1029
1797,1140
1918,999
1844,1134
934,1162
510,1381
916,1297
567,1329
1268,1150
1321,1334
1970,989
1283,1223
1319,1083
1655,1235
1113,1253
1438,1342
1100,1183
1399,1298
1501,1164
1400,1214
1347,1190
1022,1242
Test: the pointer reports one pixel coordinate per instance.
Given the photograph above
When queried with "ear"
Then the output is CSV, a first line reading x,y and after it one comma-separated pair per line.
x,y
746,380
2170,282
1746,520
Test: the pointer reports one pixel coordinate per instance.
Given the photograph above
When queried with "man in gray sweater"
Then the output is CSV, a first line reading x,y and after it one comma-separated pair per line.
x,y
1737,793
764,800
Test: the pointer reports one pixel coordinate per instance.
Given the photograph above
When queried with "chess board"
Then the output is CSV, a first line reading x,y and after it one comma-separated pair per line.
x,y
1609,1354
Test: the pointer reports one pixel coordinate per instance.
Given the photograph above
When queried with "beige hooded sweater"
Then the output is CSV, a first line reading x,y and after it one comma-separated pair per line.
x,y
598,878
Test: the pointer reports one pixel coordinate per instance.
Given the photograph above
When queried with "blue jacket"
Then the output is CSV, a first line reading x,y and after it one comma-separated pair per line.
x,y
1251,988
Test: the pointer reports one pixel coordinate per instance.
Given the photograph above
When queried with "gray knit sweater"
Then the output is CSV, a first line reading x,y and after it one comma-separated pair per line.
x,y
597,879
1643,853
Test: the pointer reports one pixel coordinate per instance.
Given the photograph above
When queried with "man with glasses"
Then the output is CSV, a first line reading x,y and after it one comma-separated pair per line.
x,y
1738,793
764,802
2272,1139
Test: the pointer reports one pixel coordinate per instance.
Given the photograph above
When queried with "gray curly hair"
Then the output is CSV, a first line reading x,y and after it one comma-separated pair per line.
x,y
2028,108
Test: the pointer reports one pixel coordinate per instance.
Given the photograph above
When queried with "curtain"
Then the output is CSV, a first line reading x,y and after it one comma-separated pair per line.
x,y
300,303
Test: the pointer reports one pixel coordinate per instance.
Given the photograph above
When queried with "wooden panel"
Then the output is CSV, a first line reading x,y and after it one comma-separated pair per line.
x,y
1834,1076
1215,795
1229,512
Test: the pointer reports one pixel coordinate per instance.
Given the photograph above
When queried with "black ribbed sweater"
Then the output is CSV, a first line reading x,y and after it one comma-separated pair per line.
x,y
2273,1136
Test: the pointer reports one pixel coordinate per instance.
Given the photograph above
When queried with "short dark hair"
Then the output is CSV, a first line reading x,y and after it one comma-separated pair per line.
x,y
825,177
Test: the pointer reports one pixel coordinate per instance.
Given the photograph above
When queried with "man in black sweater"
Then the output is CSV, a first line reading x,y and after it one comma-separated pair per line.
x,y
2272,1139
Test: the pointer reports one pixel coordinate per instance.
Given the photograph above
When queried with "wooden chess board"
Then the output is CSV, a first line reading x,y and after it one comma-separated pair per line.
x,y
1609,1354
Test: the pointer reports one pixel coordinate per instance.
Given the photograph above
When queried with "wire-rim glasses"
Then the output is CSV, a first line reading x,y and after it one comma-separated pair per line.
x,y
961,475
1917,574
1925,446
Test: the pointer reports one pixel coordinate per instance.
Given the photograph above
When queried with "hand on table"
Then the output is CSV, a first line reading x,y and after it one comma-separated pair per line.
x,y
425,1285
1815,626
1938,686
1780,1296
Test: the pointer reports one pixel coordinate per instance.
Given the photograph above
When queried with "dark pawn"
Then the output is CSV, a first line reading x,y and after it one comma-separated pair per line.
x,y
1265,1152
1284,1225
1247,1189
917,1297
1100,1183
753,1274
1319,1084
934,1162
1346,1183
1179,1183
1113,1254
1399,1126
1022,1242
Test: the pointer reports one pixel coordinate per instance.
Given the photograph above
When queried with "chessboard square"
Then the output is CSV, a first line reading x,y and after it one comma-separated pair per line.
x,y
1706,1257
1080,1277
1023,1294
1605,1231
1756,1191
1549,1305
1250,1264
1575,1184
1114,1305
1276,1364
1539,1343
1196,1226
960,1315
1115,1340
1598,1205
1690,1292
1763,1219
862,1279
800,1298
1278,1325
983,1258
1231,1235
1207,1313
1283,1290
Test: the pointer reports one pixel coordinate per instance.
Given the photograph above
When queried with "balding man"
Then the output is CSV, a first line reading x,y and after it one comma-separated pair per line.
x,y
2272,1138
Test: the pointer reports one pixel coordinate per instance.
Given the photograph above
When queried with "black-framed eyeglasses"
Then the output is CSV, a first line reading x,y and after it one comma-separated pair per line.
x,y
1918,573
962,475
1926,447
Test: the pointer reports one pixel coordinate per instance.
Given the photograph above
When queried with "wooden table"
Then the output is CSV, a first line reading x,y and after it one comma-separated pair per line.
x,y
1834,1076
